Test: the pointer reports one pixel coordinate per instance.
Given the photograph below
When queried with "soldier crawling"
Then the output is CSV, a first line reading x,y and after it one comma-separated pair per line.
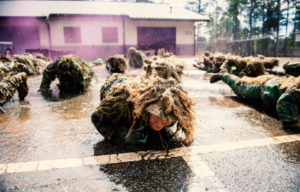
x,y
74,75
136,110
135,58
9,86
275,93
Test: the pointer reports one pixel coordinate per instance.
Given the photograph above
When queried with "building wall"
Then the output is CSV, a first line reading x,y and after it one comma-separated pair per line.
x,y
184,33
25,22
92,45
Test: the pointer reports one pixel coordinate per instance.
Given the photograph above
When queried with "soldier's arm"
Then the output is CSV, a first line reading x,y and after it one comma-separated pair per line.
x,y
49,75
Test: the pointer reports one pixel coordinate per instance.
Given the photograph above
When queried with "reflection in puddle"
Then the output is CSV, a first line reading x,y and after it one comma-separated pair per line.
x,y
154,175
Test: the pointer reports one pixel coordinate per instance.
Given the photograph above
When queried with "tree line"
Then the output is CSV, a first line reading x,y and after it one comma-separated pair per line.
x,y
250,19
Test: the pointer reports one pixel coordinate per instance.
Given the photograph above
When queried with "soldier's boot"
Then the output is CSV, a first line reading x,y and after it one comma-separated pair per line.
x,y
218,76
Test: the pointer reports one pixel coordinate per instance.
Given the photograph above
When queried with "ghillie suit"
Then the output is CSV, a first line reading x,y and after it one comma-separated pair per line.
x,y
6,69
215,64
260,57
41,56
275,93
255,68
205,61
232,65
117,64
290,69
125,109
74,74
270,63
9,86
135,58
164,69
162,54
34,65
5,59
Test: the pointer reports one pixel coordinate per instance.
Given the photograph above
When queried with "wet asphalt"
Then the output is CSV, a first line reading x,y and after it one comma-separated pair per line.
x,y
57,125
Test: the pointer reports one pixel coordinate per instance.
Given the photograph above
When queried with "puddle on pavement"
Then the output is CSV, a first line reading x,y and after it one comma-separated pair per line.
x,y
267,168
154,175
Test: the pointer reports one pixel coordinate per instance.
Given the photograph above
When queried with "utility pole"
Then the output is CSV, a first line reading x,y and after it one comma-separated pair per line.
x,y
216,32
277,30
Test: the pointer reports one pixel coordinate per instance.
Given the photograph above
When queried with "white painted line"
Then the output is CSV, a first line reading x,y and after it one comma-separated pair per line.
x,y
285,139
45,165
22,167
66,163
3,168
201,149
193,158
189,154
296,137
200,169
127,157
114,159
221,146
96,160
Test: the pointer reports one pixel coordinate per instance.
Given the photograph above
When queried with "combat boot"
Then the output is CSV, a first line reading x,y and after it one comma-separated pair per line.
x,y
218,76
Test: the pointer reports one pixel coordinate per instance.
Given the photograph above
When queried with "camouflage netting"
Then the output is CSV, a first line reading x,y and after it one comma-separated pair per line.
x,y
257,67
32,65
140,93
135,58
161,53
117,63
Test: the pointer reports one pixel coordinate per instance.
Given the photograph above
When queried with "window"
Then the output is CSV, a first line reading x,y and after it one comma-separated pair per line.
x,y
110,34
72,35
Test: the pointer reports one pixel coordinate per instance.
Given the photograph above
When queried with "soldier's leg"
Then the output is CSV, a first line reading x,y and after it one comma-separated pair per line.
x,y
23,88
48,77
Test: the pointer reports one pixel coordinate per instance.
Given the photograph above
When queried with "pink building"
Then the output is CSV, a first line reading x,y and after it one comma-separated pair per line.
x,y
97,29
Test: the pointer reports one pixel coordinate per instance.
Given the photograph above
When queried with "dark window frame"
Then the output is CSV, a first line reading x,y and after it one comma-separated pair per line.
x,y
110,35
75,32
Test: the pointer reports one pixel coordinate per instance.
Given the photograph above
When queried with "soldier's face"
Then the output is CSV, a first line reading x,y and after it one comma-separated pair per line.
x,y
157,124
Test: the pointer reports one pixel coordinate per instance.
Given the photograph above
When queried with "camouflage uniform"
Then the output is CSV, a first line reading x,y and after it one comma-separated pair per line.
x,y
113,117
74,74
292,69
9,86
271,96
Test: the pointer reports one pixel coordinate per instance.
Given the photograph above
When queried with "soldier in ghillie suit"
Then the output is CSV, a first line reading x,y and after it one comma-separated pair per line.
x,y
254,69
214,65
269,63
164,69
275,93
291,69
9,86
135,58
162,54
74,75
135,110
117,64
32,65
207,59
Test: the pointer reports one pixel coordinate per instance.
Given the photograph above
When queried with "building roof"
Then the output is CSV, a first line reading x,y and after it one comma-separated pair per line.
x,y
132,10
